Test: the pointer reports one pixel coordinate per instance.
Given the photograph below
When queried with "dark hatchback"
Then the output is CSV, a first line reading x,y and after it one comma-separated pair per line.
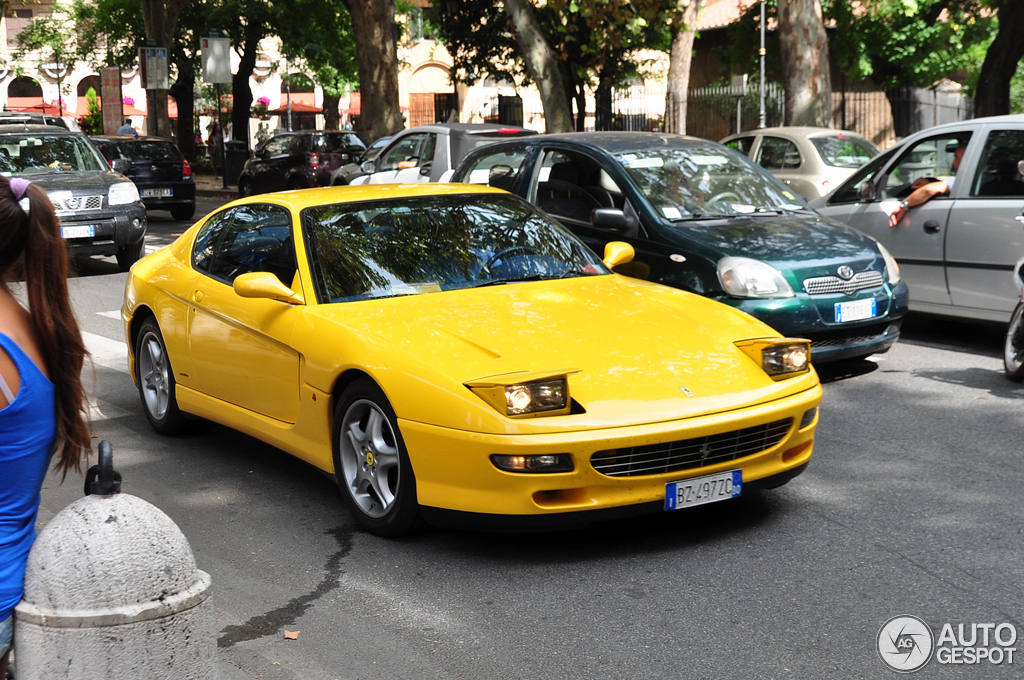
x,y
159,170
298,160
100,210
705,219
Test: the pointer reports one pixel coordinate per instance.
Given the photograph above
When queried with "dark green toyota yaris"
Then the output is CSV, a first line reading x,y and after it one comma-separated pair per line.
x,y
705,219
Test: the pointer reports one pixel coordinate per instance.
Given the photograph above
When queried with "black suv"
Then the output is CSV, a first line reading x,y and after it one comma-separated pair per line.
x,y
100,211
298,160
161,173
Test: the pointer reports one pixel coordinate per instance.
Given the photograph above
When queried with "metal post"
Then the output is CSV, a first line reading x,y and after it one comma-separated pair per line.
x,y
223,145
288,94
761,121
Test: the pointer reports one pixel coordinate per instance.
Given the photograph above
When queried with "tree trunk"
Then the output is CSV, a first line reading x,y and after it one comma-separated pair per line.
x,y
183,92
805,68
683,32
581,107
241,93
603,107
160,18
540,64
1005,52
331,117
373,23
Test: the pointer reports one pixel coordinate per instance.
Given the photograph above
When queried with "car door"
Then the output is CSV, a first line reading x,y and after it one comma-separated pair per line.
x,y
241,348
270,166
984,236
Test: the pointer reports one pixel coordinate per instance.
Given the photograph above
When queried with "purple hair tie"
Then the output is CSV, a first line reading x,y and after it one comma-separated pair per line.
x,y
19,186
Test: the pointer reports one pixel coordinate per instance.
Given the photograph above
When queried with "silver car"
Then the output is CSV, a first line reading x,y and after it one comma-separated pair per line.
x,y
810,160
957,251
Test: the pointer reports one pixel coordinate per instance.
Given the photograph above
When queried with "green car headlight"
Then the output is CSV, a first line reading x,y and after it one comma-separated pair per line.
x,y
779,357
525,394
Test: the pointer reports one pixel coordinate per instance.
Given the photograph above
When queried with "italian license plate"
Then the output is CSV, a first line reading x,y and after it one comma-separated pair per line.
x,y
157,193
687,493
855,310
79,231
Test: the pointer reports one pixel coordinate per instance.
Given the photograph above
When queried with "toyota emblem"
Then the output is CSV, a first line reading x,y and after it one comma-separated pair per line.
x,y
846,272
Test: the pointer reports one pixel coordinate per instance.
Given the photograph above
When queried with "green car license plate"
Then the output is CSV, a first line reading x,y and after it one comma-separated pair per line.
x,y
687,493
856,310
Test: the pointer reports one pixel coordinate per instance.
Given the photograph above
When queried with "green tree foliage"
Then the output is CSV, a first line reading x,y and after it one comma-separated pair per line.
x,y
52,39
92,121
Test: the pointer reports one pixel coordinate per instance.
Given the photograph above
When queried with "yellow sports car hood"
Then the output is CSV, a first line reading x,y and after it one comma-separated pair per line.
x,y
644,353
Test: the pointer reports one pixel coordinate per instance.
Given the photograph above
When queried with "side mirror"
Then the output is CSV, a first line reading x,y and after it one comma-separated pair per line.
x,y
616,253
864,193
120,165
610,219
426,168
265,285
1020,167
369,167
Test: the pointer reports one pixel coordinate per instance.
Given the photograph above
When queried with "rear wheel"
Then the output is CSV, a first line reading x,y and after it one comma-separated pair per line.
x,y
156,381
1013,350
371,464
183,212
129,254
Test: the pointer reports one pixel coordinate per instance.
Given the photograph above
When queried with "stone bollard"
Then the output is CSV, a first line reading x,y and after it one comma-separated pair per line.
x,y
112,592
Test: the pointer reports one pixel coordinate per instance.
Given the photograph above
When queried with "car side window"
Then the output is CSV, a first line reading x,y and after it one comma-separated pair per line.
x,y
258,239
278,145
741,144
207,239
848,190
559,188
498,169
997,174
930,160
778,154
405,154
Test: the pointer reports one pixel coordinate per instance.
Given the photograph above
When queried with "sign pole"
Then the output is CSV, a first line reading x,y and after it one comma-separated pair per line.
x,y
223,146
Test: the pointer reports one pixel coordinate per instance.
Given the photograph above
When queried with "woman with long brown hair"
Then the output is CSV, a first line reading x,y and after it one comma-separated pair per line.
x,y
41,396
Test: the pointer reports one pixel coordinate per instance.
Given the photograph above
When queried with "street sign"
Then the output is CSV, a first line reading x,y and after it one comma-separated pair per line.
x,y
110,86
154,68
216,51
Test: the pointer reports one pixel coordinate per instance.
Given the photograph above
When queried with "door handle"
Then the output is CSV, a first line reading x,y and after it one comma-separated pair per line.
x,y
931,227
197,296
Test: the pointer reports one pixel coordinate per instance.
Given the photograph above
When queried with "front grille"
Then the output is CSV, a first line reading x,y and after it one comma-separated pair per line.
x,y
76,203
687,454
821,285
848,336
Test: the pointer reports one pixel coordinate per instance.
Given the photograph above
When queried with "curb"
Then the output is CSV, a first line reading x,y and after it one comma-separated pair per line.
x,y
229,193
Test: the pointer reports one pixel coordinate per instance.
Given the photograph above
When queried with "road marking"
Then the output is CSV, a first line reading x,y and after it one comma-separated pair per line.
x,y
104,410
106,352
113,314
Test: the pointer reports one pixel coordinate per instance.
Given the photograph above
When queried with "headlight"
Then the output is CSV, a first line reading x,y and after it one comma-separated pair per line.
x,y
747,278
123,193
523,394
779,357
551,462
892,268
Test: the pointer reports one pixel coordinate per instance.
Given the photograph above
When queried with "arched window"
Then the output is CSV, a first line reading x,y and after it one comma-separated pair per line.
x,y
92,81
24,86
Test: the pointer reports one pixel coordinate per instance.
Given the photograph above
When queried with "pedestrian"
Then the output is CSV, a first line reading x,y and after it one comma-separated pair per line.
x,y
127,129
925,189
41,397
216,141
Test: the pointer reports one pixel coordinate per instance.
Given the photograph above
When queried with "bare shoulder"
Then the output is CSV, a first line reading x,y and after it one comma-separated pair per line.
x,y
15,324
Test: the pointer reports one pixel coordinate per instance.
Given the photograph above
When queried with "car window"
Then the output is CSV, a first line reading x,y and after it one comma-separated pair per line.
x,y
997,173
778,154
847,191
258,238
421,245
336,143
844,151
37,153
278,145
741,144
496,169
147,151
208,237
405,154
930,159
558,188
374,149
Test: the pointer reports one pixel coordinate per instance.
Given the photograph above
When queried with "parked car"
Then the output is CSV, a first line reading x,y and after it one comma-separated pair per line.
x,y
100,211
348,172
704,218
809,160
452,354
427,153
298,160
957,251
161,173
32,118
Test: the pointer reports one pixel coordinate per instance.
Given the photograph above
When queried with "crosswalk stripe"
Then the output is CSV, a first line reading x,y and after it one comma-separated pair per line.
x,y
106,352
112,314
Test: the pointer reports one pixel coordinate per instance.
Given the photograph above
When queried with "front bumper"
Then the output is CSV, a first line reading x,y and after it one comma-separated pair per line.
x,y
454,472
114,229
182,193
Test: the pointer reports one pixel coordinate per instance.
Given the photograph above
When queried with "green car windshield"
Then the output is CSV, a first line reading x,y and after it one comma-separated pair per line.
x,y
412,246
29,153
700,181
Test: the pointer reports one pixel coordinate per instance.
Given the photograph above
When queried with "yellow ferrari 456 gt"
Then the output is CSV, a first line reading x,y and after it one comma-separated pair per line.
x,y
451,354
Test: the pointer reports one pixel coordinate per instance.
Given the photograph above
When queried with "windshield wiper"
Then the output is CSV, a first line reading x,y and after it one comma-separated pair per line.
x,y
531,277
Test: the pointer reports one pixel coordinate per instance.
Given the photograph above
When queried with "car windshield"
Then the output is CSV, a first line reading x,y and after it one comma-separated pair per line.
x,y
30,153
696,180
844,151
412,246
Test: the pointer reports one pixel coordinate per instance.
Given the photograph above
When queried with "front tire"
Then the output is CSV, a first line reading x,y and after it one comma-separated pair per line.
x,y
129,254
371,463
1013,348
156,381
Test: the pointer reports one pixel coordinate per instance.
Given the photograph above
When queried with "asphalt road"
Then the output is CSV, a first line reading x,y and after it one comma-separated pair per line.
x,y
911,505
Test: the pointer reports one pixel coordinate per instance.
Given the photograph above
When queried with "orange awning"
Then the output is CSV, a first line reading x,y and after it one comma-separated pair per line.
x,y
33,105
82,108
302,102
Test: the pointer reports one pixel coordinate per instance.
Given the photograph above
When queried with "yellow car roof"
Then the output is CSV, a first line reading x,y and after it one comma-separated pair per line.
x,y
305,198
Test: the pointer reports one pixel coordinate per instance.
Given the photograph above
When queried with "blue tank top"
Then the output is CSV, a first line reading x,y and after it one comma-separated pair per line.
x,y
28,426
